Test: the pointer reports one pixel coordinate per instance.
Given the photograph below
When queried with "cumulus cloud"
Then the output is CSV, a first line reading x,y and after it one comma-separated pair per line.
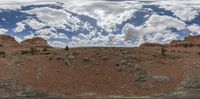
x,y
57,18
131,32
158,23
195,29
108,14
20,27
57,44
155,29
3,31
184,12
34,24
50,33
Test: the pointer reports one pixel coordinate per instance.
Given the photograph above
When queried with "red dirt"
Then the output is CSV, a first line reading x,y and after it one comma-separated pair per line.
x,y
95,72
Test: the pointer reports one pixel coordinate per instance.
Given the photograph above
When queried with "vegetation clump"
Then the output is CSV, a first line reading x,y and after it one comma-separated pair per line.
x,y
33,50
163,50
25,52
2,54
66,48
45,49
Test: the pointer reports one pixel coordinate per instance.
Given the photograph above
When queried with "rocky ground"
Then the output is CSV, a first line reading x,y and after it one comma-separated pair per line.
x,y
34,69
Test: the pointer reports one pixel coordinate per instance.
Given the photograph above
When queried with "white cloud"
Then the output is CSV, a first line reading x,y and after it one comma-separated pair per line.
x,y
158,23
184,12
3,31
34,24
195,29
131,32
57,44
56,18
157,29
107,14
20,27
50,33
18,39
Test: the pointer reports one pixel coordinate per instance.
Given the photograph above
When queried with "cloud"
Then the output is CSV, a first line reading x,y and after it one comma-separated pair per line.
x,y
157,29
108,14
57,44
18,39
195,29
50,33
158,23
34,24
47,21
20,27
3,31
56,18
184,12
131,32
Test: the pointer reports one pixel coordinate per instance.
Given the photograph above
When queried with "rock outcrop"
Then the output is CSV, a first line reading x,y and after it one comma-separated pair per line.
x,y
35,42
8,41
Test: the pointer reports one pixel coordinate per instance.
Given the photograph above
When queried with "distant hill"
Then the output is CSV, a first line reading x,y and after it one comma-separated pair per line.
x,y
8,41
35,42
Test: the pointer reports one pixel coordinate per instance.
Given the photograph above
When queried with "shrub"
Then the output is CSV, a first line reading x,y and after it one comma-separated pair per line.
x,y
66,48
2,54
1,45
67,62
198,53
25,52
141,75
163,50
45,49
33,50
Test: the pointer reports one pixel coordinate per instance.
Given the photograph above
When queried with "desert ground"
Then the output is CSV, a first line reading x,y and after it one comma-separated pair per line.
x,y
34,69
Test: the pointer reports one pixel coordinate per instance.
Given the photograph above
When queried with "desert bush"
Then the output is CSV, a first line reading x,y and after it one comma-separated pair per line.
x,y
33,50
1,45
2,54
163,50
140,75
66,62
198,53
66,48
45,49
25,52
161,79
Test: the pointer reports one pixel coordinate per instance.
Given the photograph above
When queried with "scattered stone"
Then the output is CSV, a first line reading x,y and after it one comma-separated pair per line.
x,y
4,86
50,58
29,92
75,53
97,72
104,58
86,59
59,58
121,65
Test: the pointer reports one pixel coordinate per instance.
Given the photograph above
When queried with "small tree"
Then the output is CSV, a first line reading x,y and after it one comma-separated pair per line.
x,y
45,49
33,50
163,50
2,54
66,48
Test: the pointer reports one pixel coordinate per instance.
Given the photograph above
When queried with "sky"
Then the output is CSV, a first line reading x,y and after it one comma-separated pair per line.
x,y
80,23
